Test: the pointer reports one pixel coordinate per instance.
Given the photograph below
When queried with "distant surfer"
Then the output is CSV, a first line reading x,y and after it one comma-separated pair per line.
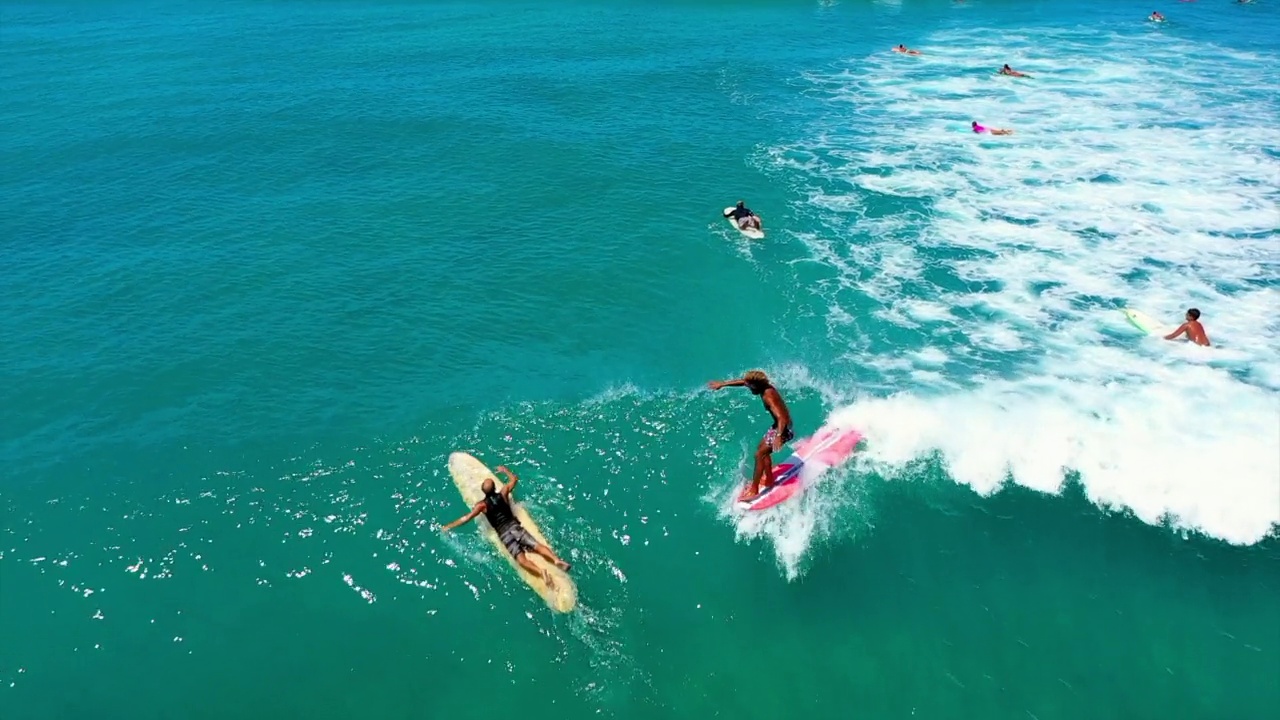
x,y
1192,329
746,219
1156,16
906,50
778,434
1006,70
994,131
496,507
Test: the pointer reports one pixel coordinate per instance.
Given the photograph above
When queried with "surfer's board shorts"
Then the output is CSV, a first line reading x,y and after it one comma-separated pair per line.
x,y
517,539
772,435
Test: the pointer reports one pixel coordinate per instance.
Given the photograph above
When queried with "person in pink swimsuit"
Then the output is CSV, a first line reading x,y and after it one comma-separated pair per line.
x,y
994,131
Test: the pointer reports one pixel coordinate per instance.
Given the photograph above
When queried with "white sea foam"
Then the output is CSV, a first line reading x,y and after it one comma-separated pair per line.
x,y
1135,178
792,527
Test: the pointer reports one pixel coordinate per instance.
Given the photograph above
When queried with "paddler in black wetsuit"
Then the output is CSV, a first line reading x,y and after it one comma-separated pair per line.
x,y
496,507
743,216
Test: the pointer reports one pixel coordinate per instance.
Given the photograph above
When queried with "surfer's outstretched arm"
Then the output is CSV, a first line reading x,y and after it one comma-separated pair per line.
x,y
717,384
1182,329
475,512
506,489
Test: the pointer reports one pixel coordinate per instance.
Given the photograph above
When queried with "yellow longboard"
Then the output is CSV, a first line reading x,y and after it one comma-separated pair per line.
x,y
468,474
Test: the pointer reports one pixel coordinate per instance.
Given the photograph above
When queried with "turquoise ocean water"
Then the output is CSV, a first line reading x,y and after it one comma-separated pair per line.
x,y
265,265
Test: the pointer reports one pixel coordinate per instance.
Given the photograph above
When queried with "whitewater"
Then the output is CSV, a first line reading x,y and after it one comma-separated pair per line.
x,y
1004,264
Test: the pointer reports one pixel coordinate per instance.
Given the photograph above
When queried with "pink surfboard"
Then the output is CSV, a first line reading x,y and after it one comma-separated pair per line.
x,y
829,447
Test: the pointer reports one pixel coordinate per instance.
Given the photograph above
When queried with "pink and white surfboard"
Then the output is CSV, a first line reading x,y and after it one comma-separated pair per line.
x,y
829,447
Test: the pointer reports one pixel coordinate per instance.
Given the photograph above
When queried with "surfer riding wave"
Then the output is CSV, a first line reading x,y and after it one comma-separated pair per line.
x,y
778,434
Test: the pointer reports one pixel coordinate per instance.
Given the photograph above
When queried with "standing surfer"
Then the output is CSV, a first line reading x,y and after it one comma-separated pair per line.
x,y
778,434
496,507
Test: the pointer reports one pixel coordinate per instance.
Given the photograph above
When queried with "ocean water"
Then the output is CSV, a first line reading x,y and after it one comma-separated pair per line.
x,y
265,265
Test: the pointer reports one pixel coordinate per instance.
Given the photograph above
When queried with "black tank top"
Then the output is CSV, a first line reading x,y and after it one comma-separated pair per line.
x,y
498,511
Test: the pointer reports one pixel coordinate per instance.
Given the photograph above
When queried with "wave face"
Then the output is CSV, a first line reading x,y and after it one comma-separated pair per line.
x,y
976,282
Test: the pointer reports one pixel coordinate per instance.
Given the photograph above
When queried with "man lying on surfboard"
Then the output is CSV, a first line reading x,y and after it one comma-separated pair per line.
x,y
742,215
778,434
496,507
994,131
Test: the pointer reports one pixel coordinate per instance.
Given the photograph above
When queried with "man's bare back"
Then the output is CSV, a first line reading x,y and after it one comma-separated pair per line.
x,y
778,434
1192,329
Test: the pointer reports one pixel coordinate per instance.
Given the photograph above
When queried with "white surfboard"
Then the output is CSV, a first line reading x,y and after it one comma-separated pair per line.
x,y
752,233
469,474
1146,323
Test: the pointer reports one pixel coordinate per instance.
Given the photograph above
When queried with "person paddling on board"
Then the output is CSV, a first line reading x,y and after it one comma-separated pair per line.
x,y
777,435
1191,328
496,507
1006,70
906,50
746,219
994,131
